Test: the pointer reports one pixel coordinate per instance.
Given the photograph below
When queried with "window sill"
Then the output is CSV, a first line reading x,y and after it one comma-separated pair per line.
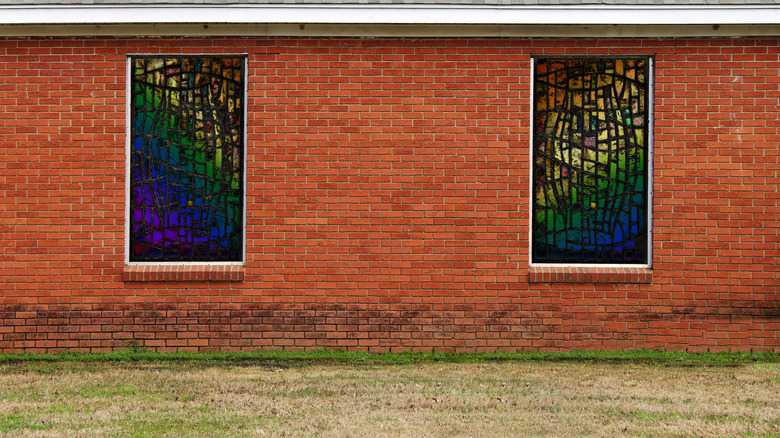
x,y
573,274
170,273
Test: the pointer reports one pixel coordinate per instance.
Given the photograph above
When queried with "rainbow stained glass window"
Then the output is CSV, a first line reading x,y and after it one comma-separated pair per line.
x,y
186,158
591,154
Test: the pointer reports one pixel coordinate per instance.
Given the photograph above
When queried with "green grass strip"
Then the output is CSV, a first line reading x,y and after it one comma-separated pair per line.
x,y
325,356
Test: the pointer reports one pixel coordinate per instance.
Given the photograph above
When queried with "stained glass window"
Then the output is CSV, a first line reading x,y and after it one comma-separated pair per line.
x,y
591,152
186,158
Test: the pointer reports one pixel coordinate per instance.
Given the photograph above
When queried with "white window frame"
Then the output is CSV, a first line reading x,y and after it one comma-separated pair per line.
x,y
650,128
128,152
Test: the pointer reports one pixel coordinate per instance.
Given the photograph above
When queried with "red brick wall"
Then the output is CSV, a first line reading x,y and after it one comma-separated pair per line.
x,y
388,201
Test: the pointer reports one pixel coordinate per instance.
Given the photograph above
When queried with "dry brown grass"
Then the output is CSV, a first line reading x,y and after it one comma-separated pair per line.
x,y
430,400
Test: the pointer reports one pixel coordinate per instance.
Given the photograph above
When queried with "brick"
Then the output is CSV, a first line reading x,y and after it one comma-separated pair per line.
x,y
388,203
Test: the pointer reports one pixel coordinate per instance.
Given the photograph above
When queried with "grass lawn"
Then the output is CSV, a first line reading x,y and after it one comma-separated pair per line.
x,y
338,394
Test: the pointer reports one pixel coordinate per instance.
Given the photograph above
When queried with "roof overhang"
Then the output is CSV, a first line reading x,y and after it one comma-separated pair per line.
x,y
580,20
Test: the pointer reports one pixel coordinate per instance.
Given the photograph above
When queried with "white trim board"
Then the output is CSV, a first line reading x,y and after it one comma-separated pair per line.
x,y
394,14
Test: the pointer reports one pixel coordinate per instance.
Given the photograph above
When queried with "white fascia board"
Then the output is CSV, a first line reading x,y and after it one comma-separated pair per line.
x,y
394,14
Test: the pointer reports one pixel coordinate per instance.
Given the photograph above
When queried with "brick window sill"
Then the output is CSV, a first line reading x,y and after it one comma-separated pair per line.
x,y
572,274
169,273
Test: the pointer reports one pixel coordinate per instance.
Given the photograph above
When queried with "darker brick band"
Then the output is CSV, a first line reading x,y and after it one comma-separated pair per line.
x,y
382,327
